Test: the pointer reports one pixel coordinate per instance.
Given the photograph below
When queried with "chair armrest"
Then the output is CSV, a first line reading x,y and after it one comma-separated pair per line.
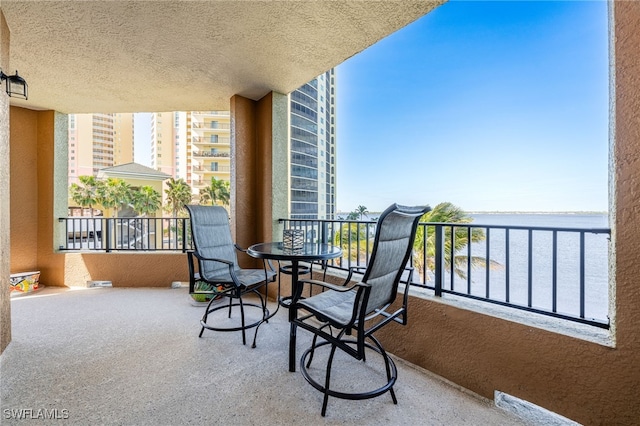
x,y
265,263
405,295
229,263
330,286
352,270
213,259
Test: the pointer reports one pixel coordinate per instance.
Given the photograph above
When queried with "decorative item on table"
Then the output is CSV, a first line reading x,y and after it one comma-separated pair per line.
x,y
24,282
293,239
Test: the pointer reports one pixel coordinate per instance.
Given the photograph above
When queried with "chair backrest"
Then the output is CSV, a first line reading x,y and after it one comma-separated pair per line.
x,y
212,238
392,247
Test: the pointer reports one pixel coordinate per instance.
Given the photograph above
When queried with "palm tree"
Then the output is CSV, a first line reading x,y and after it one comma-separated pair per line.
x,y
224,192
218,190
178,194
147,201
206,195
361,211
353,239
86,194
115,193
448,213
352,216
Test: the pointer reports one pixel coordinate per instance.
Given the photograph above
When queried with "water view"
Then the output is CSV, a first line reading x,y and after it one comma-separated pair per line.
x,y
568,295
596,276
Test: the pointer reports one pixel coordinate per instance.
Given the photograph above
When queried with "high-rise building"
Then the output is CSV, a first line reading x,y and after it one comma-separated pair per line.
x,y
211,147
193,145
196,146
313,149
164,134
97,141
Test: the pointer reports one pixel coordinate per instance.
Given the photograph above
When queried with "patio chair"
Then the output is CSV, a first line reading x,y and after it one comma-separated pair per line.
x,y
342,311
218,266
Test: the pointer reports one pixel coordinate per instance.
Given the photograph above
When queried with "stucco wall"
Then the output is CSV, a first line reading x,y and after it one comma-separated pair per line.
x,y
252,174
243,141
126,270
24,190
5,226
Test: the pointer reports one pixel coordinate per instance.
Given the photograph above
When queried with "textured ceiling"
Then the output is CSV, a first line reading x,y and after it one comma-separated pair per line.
x,y
131,56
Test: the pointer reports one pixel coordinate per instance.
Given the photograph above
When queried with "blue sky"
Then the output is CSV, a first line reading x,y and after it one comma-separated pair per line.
x,y
494,106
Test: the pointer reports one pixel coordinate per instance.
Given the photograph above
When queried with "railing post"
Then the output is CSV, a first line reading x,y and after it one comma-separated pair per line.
x,y
107,235
66,234
184,235
324,231
582,266
439,257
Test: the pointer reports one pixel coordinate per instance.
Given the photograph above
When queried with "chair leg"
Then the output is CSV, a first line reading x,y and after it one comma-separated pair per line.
x,y
237,294
313,350
265,316
327,381
313,343
205,316
386,365
244,334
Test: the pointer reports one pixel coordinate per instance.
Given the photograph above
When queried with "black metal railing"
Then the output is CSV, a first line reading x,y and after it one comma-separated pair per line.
x,y
558,272
126,234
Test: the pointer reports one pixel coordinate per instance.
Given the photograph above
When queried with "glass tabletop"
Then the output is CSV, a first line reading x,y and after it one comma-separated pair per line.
x,y
309,251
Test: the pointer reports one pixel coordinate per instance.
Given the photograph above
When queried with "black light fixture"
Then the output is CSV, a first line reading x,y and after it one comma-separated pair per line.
x,y
16,85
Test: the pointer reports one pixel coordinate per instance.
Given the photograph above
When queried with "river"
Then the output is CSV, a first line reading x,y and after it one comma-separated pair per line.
x,y
568,262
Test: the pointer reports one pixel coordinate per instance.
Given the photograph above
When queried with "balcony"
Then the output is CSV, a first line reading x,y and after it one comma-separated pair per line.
x,y
206,141
207,126
221,169
206,154
133,356
202,114
588,382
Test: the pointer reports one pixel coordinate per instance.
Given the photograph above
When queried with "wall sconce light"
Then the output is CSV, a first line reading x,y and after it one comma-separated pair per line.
x,y
16,85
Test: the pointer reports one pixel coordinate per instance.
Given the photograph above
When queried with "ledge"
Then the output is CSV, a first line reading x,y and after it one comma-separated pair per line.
x,y
564,327
531,319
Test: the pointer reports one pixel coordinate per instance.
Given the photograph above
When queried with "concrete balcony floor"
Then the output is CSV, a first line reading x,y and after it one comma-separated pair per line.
x,y
132,356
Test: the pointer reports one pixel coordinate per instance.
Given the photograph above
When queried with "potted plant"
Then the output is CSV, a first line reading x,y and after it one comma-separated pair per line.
x,y
204,292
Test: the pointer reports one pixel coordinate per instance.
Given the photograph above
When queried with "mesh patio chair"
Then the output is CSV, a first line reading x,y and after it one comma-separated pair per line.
x,y
218,267
341,316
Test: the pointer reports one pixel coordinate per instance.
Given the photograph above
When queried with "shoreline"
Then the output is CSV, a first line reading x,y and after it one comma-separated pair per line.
x,y
510,212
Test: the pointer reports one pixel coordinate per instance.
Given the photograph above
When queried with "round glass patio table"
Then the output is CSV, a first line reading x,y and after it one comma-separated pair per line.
x,y
309,252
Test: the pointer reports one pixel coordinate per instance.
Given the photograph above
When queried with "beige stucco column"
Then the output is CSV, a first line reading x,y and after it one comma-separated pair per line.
x,y
5,301
259,171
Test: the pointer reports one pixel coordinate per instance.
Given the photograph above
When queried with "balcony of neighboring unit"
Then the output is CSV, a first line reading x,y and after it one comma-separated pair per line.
x,y
213,169
211,125
201,115
211,140
219,155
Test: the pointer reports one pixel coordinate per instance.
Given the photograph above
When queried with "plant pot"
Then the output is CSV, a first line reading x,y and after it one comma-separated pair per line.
x,y
204,299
